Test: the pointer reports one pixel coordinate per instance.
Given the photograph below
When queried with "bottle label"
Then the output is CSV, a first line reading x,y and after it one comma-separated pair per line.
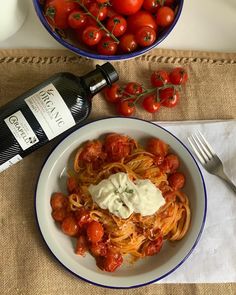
x,y
10,162
51,111
21,130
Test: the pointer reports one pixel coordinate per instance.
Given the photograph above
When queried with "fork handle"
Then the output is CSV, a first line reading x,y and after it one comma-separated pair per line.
x,y
223,176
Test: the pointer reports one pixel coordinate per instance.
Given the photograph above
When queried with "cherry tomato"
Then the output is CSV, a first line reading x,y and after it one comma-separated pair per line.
x,y
160,78
59,214
157,147
69,226
117,25
110,262
169,2
113,93
81,245
77,19
126,108
178,76
111,12
107,46
95,231
170,164
151,5
150,103
58,201
141,19
57,12
91,35
126,7
117,146
98,10
83,217
86,3
128,43
72,186
169,97
98,249
176,180
133,88
153,247
165,16
145,36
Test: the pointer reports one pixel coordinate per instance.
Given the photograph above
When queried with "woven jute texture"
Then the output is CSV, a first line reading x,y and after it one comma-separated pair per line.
x,y
26,265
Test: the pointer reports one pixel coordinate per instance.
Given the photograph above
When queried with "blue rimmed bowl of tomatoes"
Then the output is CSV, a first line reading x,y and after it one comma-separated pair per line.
x,y
109,29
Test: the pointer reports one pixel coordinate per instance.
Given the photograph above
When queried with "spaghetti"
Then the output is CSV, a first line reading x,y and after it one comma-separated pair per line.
x,y
106,236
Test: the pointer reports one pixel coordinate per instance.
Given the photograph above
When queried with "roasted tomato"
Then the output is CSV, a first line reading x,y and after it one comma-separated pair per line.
x,y
170,164
110,262
176,180
91,152
153,247
157,147
81,245
117,146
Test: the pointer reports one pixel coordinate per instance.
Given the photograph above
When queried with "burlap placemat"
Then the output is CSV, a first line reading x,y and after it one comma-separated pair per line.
x,y
26,266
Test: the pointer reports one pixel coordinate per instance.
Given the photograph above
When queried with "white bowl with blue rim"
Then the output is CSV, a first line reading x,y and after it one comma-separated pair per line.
x,y
145,271
81,50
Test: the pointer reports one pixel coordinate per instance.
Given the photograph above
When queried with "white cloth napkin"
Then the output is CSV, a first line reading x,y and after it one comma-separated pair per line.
x,y
214,258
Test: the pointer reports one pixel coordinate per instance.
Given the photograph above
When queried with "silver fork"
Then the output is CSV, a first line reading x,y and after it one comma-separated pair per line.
x,y
208,158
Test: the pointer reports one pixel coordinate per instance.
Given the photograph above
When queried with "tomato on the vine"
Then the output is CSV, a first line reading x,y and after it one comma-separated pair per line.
x,y
141,19
91,35
113,93
169,97
165,16
117,25
57,12
160,78
145,36
151,5
133,88
150,103
126,7
128,43
178,76
77,19
98,10
107,46
126,108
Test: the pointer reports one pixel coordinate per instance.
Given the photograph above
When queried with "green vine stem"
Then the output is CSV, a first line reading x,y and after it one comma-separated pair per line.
x,y
98,21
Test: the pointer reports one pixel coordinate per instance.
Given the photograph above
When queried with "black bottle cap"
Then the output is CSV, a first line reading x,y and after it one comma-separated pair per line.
x,y
109,72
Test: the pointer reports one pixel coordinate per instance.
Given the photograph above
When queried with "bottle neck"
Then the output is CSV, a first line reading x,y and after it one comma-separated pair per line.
x,y
95,81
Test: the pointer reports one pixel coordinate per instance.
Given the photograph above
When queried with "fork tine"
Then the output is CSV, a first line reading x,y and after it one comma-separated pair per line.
x,y
199,148
203,147
200,158
207,144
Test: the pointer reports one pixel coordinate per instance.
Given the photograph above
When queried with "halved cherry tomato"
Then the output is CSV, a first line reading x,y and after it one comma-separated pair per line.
x,y
113,93
126,7
157,147
126,108
83,217
57,12
110,262
69,226
141,19
81,245
169,97
151,5
176,180
145,36
128,43
77,19
91,35
58,201
165,16
98,10
107,46
95,231
178,76
117,25
150,103
153,247
160,78
170,164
